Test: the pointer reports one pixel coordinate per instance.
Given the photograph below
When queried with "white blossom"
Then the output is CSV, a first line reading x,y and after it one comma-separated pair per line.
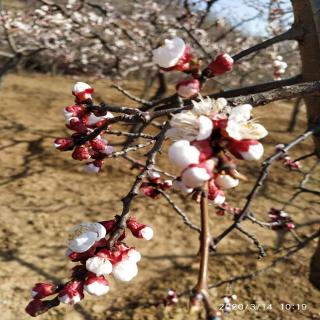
x,y
170,53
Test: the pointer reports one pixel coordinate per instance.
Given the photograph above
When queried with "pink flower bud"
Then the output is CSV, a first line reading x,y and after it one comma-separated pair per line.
x,y
139,230
81,153
42,290
96,286
63,144
222,64
72,292
246,149
188,88
82,92
36,307
225,181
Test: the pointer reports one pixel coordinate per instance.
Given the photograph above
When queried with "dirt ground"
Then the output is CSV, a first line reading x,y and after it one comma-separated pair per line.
x,y
44,193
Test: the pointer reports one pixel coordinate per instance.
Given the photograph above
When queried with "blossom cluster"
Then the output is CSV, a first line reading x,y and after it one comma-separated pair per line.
x,y
208,140
88,245
175,55
81,119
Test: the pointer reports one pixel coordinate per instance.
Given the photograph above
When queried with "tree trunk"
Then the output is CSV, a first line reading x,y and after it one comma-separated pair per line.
x,y
307,15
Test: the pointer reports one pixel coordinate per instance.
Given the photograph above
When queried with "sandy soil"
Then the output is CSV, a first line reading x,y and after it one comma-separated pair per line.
x,y
44,193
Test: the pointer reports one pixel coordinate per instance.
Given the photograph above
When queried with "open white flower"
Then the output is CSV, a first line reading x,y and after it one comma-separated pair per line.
x,y
210,107
240,126
170,53
83,236
196,124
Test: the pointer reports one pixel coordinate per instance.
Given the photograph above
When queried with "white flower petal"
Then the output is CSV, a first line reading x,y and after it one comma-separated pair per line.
x,y
98,265
134,255
205,128
225,181
241,113
80,87
125,270
169,54
182,154
83,242
147,233
195,177
255,152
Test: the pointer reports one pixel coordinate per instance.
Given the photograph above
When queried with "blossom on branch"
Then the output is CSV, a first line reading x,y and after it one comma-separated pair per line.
x,y
85,235
207,137
222,64
96,286
174,54
82,91
188,88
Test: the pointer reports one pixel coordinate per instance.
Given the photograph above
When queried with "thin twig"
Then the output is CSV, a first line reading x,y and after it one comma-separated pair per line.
x,y
262,253
182,214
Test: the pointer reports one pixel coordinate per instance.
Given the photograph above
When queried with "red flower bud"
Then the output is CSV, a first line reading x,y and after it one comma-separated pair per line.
x,y
150,192
63,144
74,111
36,307
81,153
139,230
222,64
98,145
76,125
42,290
76,256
